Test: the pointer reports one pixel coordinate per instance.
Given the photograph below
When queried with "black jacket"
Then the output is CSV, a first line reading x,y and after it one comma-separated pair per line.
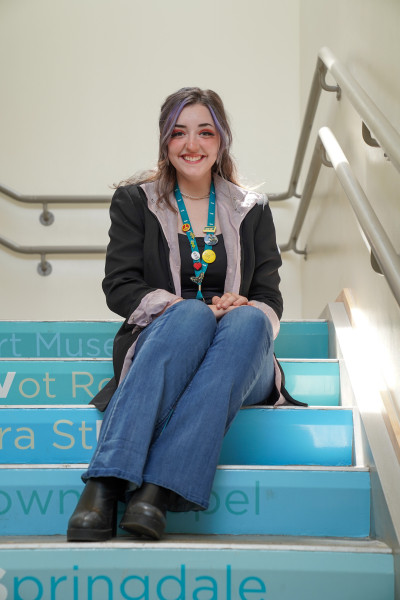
x,y
138,262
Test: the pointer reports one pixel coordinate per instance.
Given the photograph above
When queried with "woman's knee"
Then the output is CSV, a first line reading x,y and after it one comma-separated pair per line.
x,y
194,313
250,318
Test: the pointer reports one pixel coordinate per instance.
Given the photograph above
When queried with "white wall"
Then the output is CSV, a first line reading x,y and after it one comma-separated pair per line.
x,y
364,35
82,84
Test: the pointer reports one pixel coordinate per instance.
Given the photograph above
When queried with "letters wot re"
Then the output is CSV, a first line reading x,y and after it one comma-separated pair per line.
x,y
60,385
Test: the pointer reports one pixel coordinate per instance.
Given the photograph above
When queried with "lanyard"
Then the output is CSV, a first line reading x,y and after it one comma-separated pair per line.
x,y
208,256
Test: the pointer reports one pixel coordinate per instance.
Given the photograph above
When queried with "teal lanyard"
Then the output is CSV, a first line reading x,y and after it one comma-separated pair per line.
x,y
200,264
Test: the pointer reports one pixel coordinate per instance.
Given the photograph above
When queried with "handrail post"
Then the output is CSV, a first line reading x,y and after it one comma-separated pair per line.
x,y
311,109
47,217
44,268
309,186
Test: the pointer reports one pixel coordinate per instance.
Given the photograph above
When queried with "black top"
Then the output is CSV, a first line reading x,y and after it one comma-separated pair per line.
x,y
214,278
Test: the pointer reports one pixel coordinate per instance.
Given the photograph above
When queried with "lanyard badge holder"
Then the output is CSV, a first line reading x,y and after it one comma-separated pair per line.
x,y
200,264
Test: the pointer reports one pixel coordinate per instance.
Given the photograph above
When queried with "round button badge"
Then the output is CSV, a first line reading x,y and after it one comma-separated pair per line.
x,y
208,256
210,239
195,255
185,227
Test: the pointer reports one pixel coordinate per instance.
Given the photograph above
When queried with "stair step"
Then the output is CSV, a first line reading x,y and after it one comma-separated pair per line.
x,y
209,567
245,500
302,339
258,435
75,381
93,339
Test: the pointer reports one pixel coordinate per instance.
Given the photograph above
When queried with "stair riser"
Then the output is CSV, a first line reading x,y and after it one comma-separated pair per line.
x,y
302,339
94,339
57,339
172,574
257,436
311,503
78,381
52,382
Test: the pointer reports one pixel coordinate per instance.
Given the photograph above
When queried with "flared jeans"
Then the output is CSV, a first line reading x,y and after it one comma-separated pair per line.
x,y
189,377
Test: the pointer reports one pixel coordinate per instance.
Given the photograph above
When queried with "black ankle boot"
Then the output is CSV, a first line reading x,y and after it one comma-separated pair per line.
x,y
146,510
94,518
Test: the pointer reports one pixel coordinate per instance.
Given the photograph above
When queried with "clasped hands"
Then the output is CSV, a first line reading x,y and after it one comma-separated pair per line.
x,y
229,301
220,305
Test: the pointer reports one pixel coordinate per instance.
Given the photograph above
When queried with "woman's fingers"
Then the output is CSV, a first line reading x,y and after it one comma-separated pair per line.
x,y
229,299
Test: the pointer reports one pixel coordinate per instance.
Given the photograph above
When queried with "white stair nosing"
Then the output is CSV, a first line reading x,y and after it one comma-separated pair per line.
x,y
205,542
92,407
78,466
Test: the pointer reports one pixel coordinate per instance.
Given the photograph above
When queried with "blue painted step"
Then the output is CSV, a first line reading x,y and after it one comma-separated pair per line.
x,y
305,502
257,436
302,339
75,381
205,570
93,339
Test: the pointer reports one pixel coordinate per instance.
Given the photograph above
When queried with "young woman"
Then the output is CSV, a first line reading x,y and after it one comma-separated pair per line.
x,y
192,266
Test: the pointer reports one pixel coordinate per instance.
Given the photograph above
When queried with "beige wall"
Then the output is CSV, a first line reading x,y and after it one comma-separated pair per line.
x,y
364,35
82,83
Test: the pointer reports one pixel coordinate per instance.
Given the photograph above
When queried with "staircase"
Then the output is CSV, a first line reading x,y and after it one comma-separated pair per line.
x,y
290,510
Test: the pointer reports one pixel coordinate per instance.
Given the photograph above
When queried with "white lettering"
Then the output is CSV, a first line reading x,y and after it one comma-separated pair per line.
x,y
75,385
3,589
5,388
63,434
84,429
30,437
2,433
47,380
35,383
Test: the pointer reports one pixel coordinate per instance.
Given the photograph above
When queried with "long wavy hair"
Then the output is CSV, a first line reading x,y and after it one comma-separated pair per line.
x,y
165,175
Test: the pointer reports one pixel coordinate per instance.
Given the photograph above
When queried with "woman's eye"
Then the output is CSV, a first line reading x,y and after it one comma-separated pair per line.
x,y
207,133
176,134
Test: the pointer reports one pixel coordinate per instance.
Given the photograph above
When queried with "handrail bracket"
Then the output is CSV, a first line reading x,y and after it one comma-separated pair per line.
x,y
44,268
46,218
324,157
325,86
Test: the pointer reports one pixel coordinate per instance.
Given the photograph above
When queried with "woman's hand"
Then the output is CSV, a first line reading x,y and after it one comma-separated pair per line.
x,y
229,300
224,304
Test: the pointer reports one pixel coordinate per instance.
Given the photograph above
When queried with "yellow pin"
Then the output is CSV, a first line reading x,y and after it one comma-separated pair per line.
x,y
208,256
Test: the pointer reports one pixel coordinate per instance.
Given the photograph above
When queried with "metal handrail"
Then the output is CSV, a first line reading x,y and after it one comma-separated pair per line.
x,y
47,217
386,135
388,138
328,152
44,267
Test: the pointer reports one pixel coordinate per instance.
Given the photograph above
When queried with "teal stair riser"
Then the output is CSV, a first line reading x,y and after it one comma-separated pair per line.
x,y
281,502
78,381
20,339
196,574
257,436
302,339
86,339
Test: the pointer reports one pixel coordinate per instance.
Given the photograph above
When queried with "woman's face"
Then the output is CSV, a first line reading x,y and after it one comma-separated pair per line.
x,y
194,144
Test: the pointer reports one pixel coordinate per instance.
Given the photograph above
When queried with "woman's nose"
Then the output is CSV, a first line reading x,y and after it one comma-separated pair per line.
x,y
192,142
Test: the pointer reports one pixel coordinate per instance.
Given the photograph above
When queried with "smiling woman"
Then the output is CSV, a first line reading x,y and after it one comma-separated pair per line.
x,y
192,266
193,150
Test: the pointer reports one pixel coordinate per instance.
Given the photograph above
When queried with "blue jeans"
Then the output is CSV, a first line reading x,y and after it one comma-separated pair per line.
x,y
189,377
